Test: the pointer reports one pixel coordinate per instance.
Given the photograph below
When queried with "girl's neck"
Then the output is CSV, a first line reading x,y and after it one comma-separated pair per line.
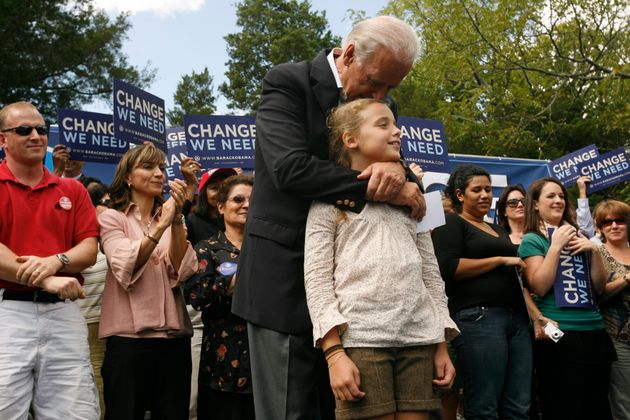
x,y
359,162
235,235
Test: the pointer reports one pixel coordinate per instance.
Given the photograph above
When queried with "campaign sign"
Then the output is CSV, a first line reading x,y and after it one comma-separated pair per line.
x,y
606,170
565,168
225,141
424,142
89,136
572,286
177,151
138,115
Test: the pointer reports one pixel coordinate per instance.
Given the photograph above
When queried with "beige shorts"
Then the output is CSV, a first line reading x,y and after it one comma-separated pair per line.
x,y
393,379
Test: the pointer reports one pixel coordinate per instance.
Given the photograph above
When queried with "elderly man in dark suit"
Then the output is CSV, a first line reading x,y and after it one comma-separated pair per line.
x,y
292,169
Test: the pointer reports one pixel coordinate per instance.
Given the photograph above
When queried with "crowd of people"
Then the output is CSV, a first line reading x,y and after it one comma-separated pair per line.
x,y
306,293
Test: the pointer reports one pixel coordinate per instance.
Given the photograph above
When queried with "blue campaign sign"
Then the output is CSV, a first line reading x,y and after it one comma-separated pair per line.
x,y
138,115
177,151
226,141
572,286
424,142
89,136
607,170
565,168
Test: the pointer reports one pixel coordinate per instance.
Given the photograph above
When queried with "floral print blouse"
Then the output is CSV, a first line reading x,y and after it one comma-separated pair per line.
x,y
616,311
224,362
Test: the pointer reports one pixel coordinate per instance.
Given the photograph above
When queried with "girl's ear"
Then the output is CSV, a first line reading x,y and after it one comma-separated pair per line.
x,y
221,208
459,195
349,140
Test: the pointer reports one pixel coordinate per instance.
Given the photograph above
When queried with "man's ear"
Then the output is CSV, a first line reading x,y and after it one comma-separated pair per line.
x,y
348,55
349,140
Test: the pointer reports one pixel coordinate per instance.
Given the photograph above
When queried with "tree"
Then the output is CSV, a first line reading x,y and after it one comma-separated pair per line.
x,y
62,53
194,95
273,32
522,78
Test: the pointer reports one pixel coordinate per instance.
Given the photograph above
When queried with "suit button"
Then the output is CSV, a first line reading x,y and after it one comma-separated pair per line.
x,y
339,202
352,204
346,201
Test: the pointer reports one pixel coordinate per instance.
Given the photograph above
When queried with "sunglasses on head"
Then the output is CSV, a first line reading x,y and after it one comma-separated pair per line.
x,y
513,202
609,222
238,199
25,130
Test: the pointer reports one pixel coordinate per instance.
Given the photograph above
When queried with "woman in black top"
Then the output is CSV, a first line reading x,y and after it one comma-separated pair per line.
x,y
479,265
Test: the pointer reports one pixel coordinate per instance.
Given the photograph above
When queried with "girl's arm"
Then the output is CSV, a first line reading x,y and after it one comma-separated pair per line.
x,y
319,263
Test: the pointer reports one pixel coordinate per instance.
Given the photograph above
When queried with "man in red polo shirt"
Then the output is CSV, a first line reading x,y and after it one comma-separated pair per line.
x,y
48,232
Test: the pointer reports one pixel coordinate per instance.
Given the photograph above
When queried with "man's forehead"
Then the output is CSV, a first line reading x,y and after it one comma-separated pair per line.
x,y
19,113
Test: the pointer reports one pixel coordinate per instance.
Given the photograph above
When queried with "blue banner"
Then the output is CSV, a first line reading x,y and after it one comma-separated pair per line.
x,y
572,287
89,136
138,115
177,151
221,141
424,142
606,170
566,168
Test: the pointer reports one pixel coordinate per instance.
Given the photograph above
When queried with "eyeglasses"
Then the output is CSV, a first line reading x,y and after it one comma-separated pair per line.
x,y
238,199
513,202
25,130
609,222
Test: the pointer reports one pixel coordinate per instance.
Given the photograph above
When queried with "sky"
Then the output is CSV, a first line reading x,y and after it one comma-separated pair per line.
x,y
177,37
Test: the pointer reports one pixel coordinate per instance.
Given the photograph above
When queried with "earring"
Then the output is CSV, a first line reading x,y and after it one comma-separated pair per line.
x,y
129,185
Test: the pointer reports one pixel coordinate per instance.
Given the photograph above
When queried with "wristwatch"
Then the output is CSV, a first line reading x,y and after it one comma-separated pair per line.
x,y
64,260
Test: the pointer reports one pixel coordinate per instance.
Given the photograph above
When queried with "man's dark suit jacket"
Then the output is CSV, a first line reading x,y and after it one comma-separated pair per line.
x,y
292,169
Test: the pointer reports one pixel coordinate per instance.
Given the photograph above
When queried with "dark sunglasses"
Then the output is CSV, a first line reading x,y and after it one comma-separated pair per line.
x,y
513,202
238,199
25,130
609,222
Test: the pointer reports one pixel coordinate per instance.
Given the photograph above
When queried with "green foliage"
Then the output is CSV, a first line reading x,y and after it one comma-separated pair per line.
x,y
194,95
62,53
273,32
521,78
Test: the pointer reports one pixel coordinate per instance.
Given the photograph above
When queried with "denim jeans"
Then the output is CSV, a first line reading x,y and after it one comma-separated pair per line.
x,y
494,356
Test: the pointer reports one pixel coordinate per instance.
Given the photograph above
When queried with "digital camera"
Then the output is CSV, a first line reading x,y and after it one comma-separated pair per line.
x,y
553,332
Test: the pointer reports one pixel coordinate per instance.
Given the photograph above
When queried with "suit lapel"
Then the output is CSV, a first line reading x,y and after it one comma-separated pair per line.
x,y
324,87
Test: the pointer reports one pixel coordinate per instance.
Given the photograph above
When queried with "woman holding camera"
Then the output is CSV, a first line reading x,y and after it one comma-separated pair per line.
x,y
565,270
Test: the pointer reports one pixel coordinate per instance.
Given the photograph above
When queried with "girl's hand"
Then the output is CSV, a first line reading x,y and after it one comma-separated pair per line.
x,y
345,379
562,236
580,243
444,369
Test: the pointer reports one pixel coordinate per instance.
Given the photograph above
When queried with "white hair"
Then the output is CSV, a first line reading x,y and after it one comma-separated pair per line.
x,y
383,32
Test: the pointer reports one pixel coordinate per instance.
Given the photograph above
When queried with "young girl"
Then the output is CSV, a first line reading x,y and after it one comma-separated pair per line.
x,y
373,287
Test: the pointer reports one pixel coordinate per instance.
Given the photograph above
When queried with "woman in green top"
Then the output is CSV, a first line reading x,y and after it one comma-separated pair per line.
x,y
574,373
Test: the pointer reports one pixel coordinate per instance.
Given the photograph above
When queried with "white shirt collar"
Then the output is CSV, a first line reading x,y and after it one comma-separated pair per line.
x,y
333,66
